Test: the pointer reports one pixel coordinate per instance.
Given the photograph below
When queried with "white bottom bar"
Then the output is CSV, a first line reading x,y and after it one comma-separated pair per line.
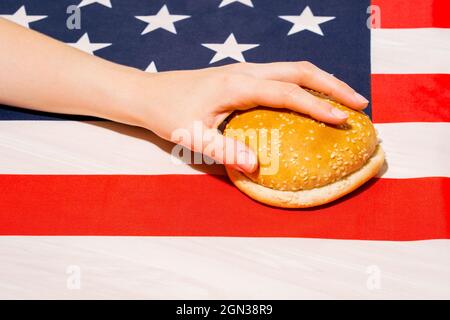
x,y
221,268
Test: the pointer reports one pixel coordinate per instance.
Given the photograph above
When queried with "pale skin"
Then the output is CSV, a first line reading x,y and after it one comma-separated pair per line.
x,y
40,73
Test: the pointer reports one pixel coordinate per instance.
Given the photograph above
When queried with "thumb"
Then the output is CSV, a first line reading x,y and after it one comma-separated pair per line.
x,y
228,151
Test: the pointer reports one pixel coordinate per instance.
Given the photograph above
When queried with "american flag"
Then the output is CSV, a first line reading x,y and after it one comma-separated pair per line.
x,y
76,176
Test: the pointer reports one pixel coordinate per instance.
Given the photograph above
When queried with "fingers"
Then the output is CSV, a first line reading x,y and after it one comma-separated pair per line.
x,y
226,150
279,94
308,75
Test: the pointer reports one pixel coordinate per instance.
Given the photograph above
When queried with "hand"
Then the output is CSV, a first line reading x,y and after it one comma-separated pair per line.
x,y
171,101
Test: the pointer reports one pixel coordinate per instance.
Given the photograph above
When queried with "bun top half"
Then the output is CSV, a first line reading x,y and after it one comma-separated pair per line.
x,y
296,152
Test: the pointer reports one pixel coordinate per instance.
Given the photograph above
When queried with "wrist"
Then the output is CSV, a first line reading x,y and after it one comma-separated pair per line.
x,y
125,93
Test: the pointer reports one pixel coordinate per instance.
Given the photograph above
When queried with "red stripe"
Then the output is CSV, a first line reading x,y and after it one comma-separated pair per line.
x,y
414,14
410,97
203,205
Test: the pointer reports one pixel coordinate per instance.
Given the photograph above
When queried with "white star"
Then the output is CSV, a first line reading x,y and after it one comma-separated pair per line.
x,y
151,68
21,17
163,19
227,2
306,21
86,45
106,3
229,49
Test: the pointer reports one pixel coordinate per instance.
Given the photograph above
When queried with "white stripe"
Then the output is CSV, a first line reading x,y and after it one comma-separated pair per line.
x,y
67,147
222,268
409,51
98,147
416,149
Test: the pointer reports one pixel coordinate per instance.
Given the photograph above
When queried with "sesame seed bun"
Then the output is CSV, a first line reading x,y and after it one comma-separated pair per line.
x,y
312,197
304,162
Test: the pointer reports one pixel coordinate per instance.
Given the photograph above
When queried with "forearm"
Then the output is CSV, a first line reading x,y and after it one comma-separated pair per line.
x,y
40,73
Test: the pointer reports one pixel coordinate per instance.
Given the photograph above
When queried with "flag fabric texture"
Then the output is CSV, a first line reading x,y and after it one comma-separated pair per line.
x,y
79,176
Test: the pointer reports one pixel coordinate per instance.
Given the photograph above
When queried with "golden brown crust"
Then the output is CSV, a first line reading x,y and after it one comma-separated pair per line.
x,y
313,197
296,152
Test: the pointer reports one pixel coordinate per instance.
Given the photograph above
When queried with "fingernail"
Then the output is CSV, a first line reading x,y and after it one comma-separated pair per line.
x,y
360,99
246,161
335,112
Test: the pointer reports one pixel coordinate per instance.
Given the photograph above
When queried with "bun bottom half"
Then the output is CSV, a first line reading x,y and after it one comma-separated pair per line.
x,y
311,197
